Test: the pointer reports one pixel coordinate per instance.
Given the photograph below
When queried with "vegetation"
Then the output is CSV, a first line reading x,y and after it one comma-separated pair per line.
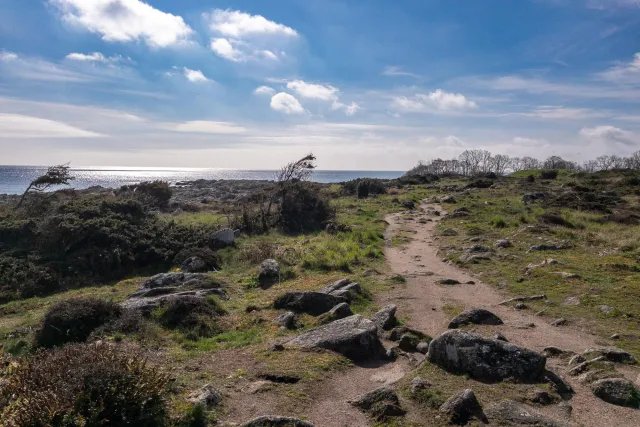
x,y
55,175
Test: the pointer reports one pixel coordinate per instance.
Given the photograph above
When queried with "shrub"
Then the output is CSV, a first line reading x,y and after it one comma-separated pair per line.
x,y
210,258
498,222
74,320
150,193
197,317
549,174
555,219
85,386
304,209
130,322
373,186
363,190
530,178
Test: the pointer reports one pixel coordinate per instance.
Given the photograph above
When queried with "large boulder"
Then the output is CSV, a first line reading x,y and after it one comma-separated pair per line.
x,y
313,303
617,391
460,408
476,316
223,238
485,359
194,264
385,319
268,273
338,312
343,288
508,412
354,337
276,421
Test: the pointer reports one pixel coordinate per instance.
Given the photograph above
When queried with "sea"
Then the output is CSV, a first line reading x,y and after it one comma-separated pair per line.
x,y
15,179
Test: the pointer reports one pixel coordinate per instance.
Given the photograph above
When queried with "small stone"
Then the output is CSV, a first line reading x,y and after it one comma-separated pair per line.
x,y
408,343
462,407
419,383
448,282
606,309
286,320
556,352
502,244
277,347
617,391
449,232
470,282
269,273
615,336
576,360
477,316
385,319
498,336
521,306
207,396
423,347
559,322
542,397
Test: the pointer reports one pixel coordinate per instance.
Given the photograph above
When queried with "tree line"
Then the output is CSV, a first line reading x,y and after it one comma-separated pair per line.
x,y
478,162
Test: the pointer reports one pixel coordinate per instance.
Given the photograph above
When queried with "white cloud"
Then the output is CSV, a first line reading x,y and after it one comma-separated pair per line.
x,y
21,126
241,37
265,90
349,110
7,56
195,76
626,73
225,49
437,100
393,71
559,113
608,134
314,91
93,57
125,21
233,23
286,103
203,126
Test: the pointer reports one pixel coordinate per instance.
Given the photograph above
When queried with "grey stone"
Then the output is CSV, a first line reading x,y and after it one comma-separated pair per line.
x,y
380,403
485,359
338,284
460,408
276,421
559,322
419,383
448,199
542,397
617,391
612,354
502,244
354,337
195,264
385,319
546,247
576,360
422,347
509,412
448,282
224,237
286,320
477,249
343,288
524,299
207,396
313,303
340,311
269,272
409,343
476,316
449,232
498,336
192,280
556,352
606,309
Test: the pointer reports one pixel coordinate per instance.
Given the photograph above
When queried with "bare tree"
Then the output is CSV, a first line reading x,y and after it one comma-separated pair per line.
x,y
55,175
604,162
500,163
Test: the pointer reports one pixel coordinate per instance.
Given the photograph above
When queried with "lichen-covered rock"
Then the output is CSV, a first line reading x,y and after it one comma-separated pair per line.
x,y
485,359
612,354
617,391
269,272
385,319
460,408
313,303
380,403
354,337
286,320
476,316
194,264
276,421
207,396
223,238
510,413
343,288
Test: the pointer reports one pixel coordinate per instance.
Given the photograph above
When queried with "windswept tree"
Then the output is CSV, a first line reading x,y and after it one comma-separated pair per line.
x,y
55,175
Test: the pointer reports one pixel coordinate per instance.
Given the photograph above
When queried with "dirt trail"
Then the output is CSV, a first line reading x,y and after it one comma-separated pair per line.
x,y
420,303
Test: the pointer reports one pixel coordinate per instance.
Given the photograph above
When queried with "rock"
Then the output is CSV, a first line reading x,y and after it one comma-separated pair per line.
x,y
498,336
448,282
419,383
546,247
286,320
509,412
313,303
385,319
542,397
449,232
606,309
485,359
236,233
476,316
586,365
521,306
277,347
166,280
475,258
576,360
524,299
423,347
617,391
559,322
195,264
566,275
409,343
502,244
470,282
369,273
558,384
276,421
338,284
380,403
477,249
462,407
397,333
556,352
207,396
448,199
341,311
612,354
354,337
343,288
409,204
269,273
223,238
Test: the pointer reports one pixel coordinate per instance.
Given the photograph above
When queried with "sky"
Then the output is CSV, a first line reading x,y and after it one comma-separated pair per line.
x,y
364,85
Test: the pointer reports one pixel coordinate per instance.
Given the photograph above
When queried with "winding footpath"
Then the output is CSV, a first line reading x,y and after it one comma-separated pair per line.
x,y
420,304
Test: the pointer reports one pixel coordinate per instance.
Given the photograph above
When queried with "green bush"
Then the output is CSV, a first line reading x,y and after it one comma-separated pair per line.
x,y
549,174
74,320
304,209
369,185
196,317
210,258
498,222
150,193
84,386
363,190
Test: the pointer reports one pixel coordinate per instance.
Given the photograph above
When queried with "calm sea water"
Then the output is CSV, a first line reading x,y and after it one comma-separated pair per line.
x,y
15,179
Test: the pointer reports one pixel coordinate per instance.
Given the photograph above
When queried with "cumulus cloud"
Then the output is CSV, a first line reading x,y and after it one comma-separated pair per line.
x,y
437,100
265,90
21,126
241,37
625,73
194,76
349,110
286,103
125,21
314,91
608,134
93,57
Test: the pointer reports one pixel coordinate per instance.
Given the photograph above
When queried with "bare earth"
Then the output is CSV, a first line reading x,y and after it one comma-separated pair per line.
x,y
420,305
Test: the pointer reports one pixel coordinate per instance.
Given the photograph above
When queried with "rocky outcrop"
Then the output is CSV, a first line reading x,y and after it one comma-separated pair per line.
x,y
485,359
354,337
276,421
207,396
385,319
313,303
611,354
476,316
338,312
511,413
194,264
343,288
460,408
268,273
223,238
286,320
617,391
379,403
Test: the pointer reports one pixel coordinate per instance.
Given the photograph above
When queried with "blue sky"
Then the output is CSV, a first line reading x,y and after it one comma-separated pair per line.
x,y
363,84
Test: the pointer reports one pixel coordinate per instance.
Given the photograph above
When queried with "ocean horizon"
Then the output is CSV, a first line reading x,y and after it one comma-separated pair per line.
x,y
15,179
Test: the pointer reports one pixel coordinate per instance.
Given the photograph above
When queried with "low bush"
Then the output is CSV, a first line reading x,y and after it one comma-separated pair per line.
x,y
150,193
555,219
84,386
74,320
194,316
210,258
530,178
549,174
304,209
364,185
498,222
